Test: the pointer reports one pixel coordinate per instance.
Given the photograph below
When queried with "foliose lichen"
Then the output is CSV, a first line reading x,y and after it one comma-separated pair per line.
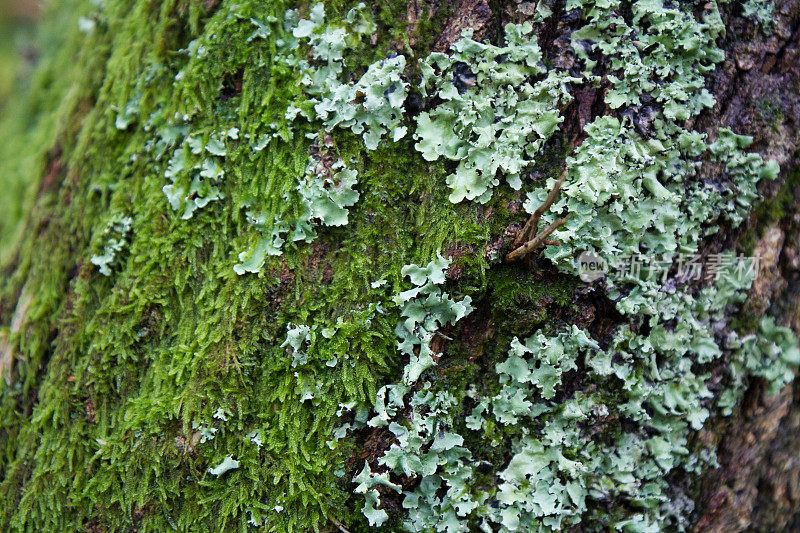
x,y
115,238
372,106
635,187
493,118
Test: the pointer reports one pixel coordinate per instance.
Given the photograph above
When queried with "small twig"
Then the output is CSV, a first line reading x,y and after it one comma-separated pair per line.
x,y
339,525
532,225
536,241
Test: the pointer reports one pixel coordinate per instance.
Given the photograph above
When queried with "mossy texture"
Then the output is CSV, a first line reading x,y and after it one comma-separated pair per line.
x,y
219,225
112,375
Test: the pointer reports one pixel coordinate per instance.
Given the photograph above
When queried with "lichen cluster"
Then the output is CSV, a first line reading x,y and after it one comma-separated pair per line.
x,y
493,118
656,381
115,238
372,106
262,293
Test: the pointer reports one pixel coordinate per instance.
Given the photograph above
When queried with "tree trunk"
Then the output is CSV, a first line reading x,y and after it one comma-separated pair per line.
x,y
217,229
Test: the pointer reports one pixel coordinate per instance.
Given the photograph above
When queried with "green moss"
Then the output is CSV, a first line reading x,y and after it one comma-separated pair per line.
x,y
124,366
520,301
770,112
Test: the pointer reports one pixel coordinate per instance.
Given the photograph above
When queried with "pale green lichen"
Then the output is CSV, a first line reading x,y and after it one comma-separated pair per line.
x,y
425,309
227,464
493,118
628,194
660,55
205,431
296,337
115,239
373,105
326,193
367,481
555,466
195,169
633,185
270,244
771,352
636,185
762,11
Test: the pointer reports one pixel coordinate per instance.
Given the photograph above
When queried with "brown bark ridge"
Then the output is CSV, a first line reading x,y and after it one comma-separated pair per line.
x,y
757,486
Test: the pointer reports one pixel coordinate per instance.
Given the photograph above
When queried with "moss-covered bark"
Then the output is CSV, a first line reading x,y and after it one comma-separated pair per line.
x,y
124,391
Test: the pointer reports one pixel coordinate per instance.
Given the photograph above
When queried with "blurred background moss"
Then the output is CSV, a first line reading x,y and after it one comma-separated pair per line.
x,y
17,18
18,57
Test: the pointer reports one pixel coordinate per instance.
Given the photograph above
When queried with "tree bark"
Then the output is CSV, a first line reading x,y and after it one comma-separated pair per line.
x,y
75,346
